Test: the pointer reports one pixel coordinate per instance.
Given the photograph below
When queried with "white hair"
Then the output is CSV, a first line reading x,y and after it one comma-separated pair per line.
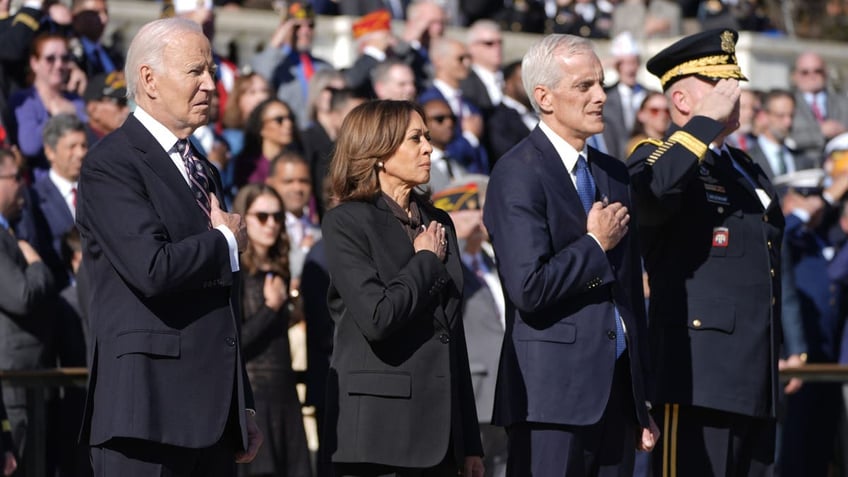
x,y
540,65
148,47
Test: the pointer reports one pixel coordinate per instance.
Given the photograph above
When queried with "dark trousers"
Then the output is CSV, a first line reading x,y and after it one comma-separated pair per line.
x,y
446,468
124,457
606,448
697,441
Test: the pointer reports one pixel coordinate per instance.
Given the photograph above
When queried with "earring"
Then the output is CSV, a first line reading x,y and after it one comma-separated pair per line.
x,y
380,165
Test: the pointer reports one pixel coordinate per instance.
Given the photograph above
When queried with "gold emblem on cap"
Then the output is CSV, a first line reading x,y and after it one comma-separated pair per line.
x,y
727,43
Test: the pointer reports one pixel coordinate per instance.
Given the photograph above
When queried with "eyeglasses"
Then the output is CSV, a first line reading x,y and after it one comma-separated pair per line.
x,y
654,111
440,118
463,58
54,58
311,25
280,119
489,43
263,217
816,71
17,176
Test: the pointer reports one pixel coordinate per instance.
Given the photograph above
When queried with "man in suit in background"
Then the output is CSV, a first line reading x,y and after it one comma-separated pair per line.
x,y
65,145
168,393
820,114
624,97
711,228
484,84
571,384
769,150
26,319
513,119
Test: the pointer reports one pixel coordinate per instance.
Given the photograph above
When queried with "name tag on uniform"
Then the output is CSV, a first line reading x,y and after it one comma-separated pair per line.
x,y
721,237
717,198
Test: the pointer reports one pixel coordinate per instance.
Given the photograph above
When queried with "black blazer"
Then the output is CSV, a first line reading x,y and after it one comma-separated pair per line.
x,y
162,303
399,387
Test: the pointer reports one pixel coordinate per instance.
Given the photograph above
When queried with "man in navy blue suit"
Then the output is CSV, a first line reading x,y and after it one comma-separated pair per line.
x,y
571,383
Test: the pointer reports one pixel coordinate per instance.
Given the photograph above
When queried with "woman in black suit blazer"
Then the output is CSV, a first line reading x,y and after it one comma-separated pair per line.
x,y
400,401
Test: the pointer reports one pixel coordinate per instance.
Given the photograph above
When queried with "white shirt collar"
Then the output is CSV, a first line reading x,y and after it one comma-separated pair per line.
x,y
375,53
64,185
163,135
492,80
567,153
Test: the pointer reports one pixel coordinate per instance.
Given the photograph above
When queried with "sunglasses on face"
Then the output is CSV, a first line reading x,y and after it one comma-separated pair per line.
x,y
54,58
263,217
816,71
654,111
490,43
440,118
281,119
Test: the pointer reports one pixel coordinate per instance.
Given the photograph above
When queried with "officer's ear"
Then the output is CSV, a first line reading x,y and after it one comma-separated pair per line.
x,y
681,100
544,98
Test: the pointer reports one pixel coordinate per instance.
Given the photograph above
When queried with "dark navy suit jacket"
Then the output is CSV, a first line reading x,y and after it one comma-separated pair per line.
x,y
561,289
55,211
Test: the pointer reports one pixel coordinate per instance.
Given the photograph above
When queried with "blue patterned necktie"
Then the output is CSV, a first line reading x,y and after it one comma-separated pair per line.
x,y
197,179
586,190
585,183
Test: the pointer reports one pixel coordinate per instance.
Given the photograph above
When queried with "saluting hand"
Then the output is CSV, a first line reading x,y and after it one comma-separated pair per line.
x,y
608,223
721,102
234,222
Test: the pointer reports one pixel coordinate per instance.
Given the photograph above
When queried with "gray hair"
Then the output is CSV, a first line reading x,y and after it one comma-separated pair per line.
x,y
59,125
148,47
540,65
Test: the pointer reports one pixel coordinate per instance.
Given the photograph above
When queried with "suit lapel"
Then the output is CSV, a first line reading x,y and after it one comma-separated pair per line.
x,y
554,170
160,162
602,180
447,314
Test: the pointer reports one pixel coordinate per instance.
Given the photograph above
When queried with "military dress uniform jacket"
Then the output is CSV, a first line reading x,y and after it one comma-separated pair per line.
x,y
712,253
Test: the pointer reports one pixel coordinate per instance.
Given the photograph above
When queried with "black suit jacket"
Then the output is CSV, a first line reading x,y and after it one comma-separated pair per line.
x,y
162,304
561,290
474,90
399,387
504,129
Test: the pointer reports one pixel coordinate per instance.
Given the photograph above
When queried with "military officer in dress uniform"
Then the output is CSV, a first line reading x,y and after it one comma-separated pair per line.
x,y
711,226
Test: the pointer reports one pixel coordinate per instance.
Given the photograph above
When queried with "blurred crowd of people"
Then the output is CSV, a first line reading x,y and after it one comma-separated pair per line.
x,y
276,119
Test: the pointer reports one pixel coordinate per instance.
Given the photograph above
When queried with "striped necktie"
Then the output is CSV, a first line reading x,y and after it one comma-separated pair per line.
x,y
198,181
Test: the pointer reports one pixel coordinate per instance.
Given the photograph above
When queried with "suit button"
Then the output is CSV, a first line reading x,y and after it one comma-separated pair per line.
x,y
230,341
765,218
696,323
769,244
773,301
444,338
611,334
772,272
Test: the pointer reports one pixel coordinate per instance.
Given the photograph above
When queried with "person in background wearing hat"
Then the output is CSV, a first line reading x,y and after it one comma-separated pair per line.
x,y
820,113
483,307
769,149
572,378
287,61
106,104
711,226
92,56
808,426
624,97
374,41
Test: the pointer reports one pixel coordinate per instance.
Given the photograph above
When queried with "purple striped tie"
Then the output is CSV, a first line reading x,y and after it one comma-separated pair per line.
x,y
197,179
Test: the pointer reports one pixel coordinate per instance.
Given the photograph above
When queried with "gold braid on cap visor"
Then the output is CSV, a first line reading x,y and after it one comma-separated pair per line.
x,y
716,66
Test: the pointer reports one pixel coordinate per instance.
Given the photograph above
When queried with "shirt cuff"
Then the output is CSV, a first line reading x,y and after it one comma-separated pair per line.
x,y
232,245
802,214
590,234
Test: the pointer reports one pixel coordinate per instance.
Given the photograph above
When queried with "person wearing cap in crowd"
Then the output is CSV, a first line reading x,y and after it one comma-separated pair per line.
x,y
710,225
624,97
374,40
820,114
483,306
808,425
89,21
769,149
572,381
202,12
287,61
106,104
